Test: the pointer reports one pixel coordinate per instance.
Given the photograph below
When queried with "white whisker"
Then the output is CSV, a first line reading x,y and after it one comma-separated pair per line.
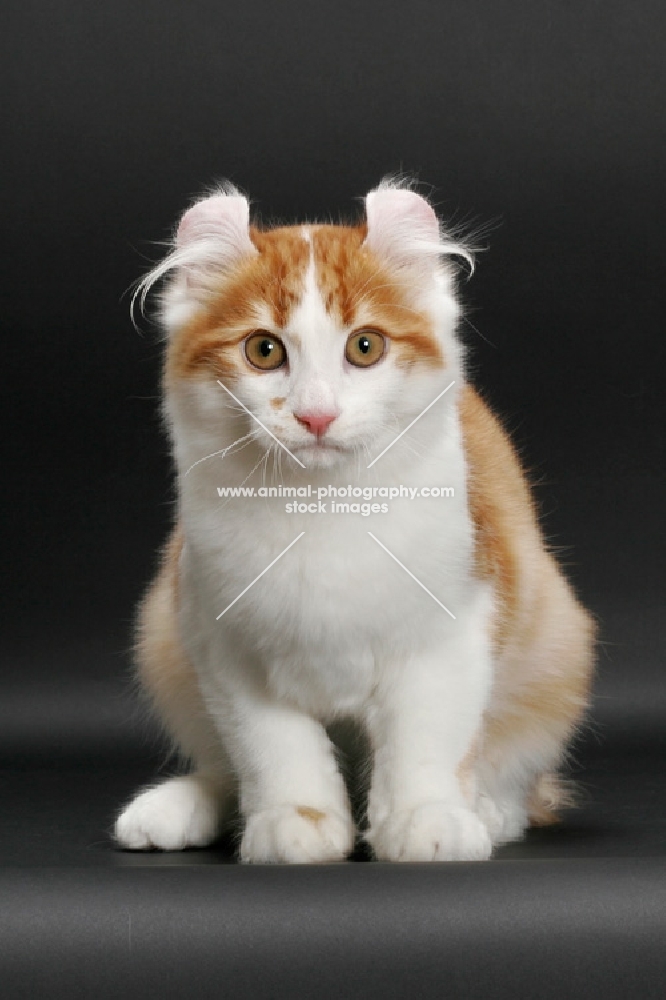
x,y
221,452
250,473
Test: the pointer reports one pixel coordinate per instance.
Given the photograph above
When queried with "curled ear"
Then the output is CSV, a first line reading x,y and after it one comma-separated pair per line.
x,y
212,235
404,229
224,218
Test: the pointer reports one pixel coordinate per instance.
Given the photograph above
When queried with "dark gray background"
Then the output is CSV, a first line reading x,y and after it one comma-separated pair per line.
x,y
544,119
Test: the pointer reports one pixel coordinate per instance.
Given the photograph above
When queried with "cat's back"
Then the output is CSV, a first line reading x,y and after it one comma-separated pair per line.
x,y
536,608
509,548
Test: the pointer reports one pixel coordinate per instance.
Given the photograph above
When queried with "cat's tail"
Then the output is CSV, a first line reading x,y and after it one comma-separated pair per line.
x,y
551,794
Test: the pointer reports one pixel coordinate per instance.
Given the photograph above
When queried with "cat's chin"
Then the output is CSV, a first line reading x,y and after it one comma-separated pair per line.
x,y
322,456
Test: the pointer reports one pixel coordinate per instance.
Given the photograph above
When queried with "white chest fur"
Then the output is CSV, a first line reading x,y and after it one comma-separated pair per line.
x,y
336,607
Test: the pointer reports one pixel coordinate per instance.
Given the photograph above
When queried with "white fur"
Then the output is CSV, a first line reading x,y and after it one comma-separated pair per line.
x,y
335,628
181,812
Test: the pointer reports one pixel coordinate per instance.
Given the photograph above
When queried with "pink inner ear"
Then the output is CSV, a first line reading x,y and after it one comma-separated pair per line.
x,y
393,211
218,216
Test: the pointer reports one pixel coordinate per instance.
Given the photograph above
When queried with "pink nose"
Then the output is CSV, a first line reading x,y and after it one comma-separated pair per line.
x,y
316,423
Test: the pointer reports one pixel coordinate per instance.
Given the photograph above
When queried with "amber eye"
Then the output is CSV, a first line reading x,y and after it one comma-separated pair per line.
x,y
265,351
365,348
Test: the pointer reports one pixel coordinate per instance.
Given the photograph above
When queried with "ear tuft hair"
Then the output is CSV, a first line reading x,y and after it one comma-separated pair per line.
x,y
403,227
211,236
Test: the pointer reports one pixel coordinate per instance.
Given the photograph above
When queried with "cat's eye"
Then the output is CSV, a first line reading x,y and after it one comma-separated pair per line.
x,y
265,351
365,348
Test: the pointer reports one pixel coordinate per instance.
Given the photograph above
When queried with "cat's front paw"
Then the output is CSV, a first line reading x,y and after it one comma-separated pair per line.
x,y
434,831
181,812
296,834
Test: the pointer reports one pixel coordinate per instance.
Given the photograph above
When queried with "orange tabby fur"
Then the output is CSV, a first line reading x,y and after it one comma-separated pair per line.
x,y
355,287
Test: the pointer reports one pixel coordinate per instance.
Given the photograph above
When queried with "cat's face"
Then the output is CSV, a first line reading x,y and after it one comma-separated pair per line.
x,y
332,337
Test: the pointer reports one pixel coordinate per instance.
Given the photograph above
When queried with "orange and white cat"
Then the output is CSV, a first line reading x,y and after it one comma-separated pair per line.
x,y
298,355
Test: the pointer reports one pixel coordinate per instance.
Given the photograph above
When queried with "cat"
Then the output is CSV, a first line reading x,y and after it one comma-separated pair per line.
x,y
315,355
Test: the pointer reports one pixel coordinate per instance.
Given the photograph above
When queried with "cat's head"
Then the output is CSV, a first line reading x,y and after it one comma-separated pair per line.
x,y
332,337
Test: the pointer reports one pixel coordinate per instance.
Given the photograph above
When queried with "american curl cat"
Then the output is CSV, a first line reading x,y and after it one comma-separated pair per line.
x,y
318,356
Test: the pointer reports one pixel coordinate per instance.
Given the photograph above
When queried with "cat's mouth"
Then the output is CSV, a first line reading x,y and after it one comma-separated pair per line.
x,y
324,443
319,451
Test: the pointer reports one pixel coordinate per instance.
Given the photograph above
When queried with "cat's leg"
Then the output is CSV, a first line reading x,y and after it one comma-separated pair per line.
x,y
291,794
424,723
539,697
185,811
